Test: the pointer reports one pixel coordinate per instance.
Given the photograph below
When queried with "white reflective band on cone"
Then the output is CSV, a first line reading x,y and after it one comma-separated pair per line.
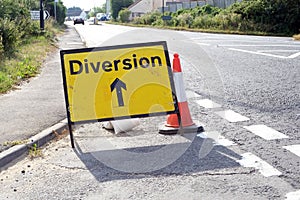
x,y
179,87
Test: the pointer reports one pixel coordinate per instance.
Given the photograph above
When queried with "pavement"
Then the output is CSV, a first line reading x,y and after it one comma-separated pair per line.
x,y
31,113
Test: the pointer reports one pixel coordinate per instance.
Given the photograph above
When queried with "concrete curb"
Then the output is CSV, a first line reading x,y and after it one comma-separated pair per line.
x,y
81,37
18,151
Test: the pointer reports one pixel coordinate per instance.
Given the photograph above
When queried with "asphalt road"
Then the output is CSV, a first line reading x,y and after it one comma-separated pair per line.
x,y
245,92
257,77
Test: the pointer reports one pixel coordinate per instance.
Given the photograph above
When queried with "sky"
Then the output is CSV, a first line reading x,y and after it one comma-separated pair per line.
x,y
84,4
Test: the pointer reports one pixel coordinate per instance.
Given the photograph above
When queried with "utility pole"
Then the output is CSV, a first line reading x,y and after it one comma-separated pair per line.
x,y
42,22
55,2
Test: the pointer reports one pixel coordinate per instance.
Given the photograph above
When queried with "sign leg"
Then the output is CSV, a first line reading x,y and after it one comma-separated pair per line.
x,y
71,134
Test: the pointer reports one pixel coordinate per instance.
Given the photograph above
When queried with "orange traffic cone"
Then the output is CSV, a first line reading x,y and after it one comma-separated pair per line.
x,y
186,123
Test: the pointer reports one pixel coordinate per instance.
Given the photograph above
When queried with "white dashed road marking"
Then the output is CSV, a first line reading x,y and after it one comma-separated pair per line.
x,y
279,50
217,137
293,195
206,103
204,44
265,132
251,160
258,53
294,55
232,116
190,94
294,149
258,45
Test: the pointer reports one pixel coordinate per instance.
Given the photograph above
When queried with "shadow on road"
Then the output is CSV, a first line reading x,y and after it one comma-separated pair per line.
x,y
194,159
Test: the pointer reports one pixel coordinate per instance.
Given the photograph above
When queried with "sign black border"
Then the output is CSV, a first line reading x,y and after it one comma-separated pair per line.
x,y
84,50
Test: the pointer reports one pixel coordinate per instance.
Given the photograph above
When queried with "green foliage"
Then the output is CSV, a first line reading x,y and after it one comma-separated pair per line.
x,y
22,44
124,15
74,11
10,36
117,5
185,20
60,10
13,9
265,16
35,151
276,16
25,69
96,10
5,82
148,19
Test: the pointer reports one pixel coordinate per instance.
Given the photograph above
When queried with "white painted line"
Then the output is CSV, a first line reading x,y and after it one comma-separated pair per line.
x,y
204,44
265,132
232,116
294,55
206,103
258,53
293,148
257,45
282,50
217,137
190,94
251,160
293,195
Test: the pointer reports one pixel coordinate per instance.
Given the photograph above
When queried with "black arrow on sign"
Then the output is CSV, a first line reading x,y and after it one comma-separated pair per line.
x,y
46,15
118,85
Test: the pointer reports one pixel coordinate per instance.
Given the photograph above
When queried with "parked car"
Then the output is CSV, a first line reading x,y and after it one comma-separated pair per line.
x,y
78,20
101,17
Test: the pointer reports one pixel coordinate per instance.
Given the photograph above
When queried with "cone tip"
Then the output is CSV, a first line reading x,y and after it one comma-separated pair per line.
x,y
176,63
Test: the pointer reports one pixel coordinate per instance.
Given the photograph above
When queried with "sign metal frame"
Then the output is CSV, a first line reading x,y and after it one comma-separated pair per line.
x,y
117,83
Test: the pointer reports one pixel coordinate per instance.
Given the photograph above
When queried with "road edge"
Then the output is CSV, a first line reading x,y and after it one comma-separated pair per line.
x,y
12,155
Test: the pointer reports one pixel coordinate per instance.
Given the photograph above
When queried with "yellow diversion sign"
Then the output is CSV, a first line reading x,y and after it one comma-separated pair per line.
x,y
106,83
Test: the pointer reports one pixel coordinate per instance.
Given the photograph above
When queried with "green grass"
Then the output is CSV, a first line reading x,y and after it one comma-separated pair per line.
x,y
27,60
25,63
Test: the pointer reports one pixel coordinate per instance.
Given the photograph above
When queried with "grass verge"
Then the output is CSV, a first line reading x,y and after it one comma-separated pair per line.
x,y
27,60
212,30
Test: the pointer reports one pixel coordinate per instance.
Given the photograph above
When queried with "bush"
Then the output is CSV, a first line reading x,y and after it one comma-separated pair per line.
x,y
124,15
205,10
10,36
148,19
276,16
185,20
5,82
25,69
203,22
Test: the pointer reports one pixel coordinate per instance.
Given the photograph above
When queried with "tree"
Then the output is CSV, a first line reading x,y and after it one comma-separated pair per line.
x,y
124,15
15,23
117,5
278,16
60,10
13,9
74,11
96,10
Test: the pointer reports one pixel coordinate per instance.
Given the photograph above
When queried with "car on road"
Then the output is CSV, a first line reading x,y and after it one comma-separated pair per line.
x,y
78,20
101,17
